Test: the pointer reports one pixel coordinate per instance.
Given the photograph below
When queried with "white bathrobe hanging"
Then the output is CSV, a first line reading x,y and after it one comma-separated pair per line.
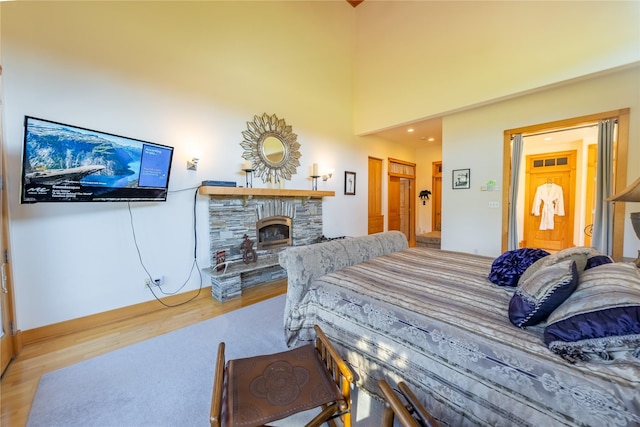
x,y
552,201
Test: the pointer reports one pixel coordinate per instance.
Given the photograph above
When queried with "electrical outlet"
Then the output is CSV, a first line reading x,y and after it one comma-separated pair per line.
x,y
157,281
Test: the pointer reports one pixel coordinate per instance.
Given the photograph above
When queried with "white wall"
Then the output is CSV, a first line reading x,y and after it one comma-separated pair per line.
x,y
419,59
474,139
188,75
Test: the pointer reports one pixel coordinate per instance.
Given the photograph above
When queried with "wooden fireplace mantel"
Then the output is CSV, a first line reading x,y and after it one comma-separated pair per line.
x,y
277,192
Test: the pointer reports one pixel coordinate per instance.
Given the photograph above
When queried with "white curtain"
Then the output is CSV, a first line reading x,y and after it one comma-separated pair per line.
x,y
603,218
516,160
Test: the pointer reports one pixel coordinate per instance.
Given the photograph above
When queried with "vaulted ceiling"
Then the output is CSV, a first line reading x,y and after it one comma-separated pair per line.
x,y
416,134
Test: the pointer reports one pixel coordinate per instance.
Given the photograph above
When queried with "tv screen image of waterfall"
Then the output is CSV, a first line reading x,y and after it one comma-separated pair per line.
x,y
64,163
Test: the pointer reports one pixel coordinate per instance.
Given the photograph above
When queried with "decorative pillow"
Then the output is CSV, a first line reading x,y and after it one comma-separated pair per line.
x,y
596,260
579,254
600,321
508,267
542,293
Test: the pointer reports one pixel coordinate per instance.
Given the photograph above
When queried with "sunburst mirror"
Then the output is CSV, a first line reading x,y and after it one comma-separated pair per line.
x,y
271,147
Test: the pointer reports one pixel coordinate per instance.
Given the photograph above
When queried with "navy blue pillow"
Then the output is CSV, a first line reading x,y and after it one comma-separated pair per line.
x,y
600,321
508,267
596,260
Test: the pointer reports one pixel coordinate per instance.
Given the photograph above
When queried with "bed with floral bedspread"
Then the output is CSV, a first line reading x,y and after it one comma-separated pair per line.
x,y
433,319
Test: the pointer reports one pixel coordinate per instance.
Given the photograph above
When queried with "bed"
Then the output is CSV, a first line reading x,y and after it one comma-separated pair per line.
x,y
433,319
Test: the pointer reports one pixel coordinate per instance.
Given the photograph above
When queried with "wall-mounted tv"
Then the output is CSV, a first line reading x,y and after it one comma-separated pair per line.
x,y
63,163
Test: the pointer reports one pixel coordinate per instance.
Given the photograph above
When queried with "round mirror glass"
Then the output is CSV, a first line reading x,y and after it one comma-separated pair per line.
x,y
271,147
273,150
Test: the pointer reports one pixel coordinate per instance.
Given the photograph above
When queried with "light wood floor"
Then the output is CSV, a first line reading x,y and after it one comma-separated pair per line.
x,y
20,381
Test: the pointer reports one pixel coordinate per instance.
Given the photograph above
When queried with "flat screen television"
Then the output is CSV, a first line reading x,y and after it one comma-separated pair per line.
x,y
63,163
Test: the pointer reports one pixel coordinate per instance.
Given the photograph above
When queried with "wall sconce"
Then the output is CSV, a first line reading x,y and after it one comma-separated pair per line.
x,y
328,175
192,164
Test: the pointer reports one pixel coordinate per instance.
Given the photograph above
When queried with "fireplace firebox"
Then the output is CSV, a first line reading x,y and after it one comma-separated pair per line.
x,y
274,232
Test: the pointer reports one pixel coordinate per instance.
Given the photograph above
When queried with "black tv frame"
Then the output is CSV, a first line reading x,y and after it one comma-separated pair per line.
x,y
67,163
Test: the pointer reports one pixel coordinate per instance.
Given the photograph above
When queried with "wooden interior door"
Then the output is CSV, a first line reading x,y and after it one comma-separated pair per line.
x,y
393,206
436,197
400,206
590,205
401,198
375,222
405,207
543,170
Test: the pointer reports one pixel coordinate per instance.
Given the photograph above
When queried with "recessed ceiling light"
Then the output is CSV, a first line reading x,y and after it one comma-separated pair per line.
x,y
410,130
548,138
431,139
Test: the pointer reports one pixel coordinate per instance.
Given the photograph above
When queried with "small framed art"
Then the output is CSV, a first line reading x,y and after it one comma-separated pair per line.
x,y
461,179
349,183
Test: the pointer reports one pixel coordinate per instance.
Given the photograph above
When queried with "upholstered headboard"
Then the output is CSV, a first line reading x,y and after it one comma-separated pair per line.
x,y
304,264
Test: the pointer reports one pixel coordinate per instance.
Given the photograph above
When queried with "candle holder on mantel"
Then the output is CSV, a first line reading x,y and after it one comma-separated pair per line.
x,y
249,177
314,182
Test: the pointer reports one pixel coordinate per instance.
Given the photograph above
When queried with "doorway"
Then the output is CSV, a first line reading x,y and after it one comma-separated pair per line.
x,y
8,344
436,196
399,204
590,200
401,192
619,172
7,332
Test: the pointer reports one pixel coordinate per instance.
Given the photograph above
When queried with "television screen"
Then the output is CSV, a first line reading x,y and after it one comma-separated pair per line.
x,y
62,163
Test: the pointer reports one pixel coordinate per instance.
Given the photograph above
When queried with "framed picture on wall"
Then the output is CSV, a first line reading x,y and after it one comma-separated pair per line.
x,y
461,179
349,183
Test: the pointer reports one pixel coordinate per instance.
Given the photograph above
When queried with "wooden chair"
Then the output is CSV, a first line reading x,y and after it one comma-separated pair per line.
x,y
258,390
411,414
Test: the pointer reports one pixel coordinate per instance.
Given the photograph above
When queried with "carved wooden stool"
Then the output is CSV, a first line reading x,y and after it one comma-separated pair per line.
x,y
253,391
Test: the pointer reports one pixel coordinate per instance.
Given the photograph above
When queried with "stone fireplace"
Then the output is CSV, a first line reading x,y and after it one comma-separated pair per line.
x,y
272,218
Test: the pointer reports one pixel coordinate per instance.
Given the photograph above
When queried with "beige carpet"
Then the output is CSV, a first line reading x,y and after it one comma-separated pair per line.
x,y
167,380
